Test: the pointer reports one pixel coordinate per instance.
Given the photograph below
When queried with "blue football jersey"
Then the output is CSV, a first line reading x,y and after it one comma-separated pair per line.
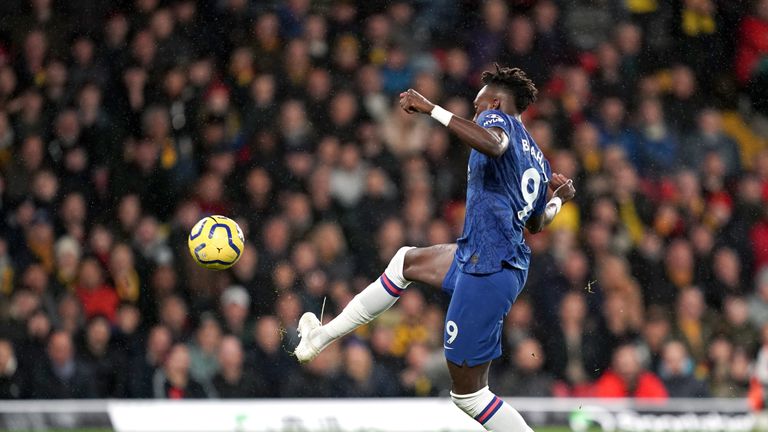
x,y
502,193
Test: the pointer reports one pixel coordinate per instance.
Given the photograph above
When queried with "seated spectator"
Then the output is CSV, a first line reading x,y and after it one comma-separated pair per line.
x,y
268,356
570,352
628,378
31,348
235,302
710,138
655,142
203,350
97,297
318,378
127,334
233,381
10,378
143,367
740,374
758,301
759,384
656,332
361,377
527,378
415,378
103,359
726,278
676,371
173,380
174,314
694,323
59,375
751,54
736,326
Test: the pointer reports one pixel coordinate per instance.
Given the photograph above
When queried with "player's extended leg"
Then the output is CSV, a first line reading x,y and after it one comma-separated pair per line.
x,y
473,338
426,265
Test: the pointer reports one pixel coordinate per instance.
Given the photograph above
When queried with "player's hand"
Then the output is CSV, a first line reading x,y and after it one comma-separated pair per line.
x,y
562,187
412,102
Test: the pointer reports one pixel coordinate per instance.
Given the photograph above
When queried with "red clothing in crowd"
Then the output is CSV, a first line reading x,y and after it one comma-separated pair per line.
x,y
611,385
99,301
759,238
753,44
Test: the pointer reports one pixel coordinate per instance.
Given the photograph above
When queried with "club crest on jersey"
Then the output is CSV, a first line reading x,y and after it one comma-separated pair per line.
x,y
492,119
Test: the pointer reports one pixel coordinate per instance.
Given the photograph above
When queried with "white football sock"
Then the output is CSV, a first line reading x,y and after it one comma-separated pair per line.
x,y
490,411
370,303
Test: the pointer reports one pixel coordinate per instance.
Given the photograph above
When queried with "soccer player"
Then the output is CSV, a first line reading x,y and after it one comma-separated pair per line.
x,y
508,181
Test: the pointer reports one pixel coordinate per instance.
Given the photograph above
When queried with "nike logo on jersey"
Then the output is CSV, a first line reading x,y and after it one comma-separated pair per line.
x,y
447,347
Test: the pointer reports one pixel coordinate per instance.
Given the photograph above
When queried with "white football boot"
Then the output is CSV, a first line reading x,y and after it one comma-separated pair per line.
x,y
306,351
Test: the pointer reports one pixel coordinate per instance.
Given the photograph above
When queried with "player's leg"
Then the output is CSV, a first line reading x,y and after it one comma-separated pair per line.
x,y
473,338
426,265
429,265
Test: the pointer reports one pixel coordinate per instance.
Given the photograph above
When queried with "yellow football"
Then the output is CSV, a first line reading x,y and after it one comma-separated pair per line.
x,y
216,242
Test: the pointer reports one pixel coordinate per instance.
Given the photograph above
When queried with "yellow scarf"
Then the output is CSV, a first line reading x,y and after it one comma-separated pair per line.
x,y
696,23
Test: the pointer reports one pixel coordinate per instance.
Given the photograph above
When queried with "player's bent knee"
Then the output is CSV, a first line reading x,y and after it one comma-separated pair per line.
x,y
411,261
395,271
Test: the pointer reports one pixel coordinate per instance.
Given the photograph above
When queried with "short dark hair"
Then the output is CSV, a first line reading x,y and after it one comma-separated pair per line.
x,y
515,81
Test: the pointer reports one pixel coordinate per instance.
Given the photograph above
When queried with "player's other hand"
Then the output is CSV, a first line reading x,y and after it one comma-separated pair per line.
x,y
562,187
412,102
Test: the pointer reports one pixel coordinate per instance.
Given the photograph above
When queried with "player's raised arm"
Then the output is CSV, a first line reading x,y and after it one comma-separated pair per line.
x,y
563,192
492,142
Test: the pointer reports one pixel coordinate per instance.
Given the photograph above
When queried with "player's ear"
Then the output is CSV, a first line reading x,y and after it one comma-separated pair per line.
x,y
496,104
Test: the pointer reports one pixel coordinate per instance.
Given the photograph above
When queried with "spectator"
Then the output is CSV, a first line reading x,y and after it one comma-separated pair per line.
x,y
173,380
235,302
97,297
528,377
570,352
148,363
318,378
361,377
100,356
59,375
758,301
752,51
654,142
174,314
760,379
736,325
269,358
415,378
657,331
694,324
10,378
627,378
726,278
127,334
233,381
710,138
677,372
683,103
203,363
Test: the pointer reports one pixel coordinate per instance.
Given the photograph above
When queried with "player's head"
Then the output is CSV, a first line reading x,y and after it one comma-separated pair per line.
x,y
506,89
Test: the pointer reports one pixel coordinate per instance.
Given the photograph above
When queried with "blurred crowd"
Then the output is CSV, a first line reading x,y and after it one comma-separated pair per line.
x,y
122,123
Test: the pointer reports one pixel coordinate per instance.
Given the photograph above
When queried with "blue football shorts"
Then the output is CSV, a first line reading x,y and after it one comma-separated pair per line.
x,y
479,303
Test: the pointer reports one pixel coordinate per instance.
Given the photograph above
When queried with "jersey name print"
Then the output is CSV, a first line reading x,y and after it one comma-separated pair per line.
x,y
502,193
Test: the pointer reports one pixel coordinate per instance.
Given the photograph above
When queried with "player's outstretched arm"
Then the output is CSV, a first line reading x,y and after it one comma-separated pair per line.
x,y
491,142
563,192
